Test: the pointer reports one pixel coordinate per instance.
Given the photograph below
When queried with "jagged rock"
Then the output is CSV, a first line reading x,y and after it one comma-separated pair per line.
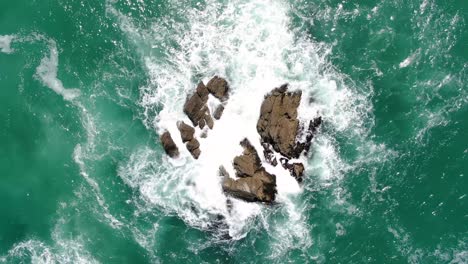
x,y
218,112
168,144
261,187
195,106
278,124
312,129
186,131
202,91
219,88
268,154
280,129
201,123
193,147
297,170
248,163
196,153
193,144
255,184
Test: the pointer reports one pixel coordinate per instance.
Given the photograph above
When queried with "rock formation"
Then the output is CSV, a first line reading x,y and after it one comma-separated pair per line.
x,y
187,134
219,88
218,112
193,147
186,131
254,183
280,129
278,124
169,146
283,139
196,109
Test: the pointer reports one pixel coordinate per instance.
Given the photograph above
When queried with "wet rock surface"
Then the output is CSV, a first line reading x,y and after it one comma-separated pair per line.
x,y
187,134
195,107
186,131
219,88
278,124
255,183
168,144
193,146
218,112
280,130
282,136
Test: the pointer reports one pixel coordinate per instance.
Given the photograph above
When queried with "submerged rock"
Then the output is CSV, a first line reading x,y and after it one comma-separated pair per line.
x,y
169,146
255,184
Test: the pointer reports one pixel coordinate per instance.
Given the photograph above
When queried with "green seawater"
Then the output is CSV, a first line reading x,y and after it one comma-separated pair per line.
x,y
86,86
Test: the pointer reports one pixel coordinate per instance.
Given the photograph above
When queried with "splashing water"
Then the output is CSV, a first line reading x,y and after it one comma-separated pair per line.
x,y
382,182
250,44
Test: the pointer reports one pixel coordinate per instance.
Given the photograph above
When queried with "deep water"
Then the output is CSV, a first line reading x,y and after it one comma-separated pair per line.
x,y
87,86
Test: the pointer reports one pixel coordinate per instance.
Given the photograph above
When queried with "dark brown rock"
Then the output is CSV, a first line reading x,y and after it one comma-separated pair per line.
x,y
202,91
193,144
269,155
278,124
260,188
186,131
297,170
195,107
201,123
248,163
255,184
168,144
218,112
196,153
284,163
280,129
219,88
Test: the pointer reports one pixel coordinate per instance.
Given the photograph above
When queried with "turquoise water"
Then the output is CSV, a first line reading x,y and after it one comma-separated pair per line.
x,y
86,86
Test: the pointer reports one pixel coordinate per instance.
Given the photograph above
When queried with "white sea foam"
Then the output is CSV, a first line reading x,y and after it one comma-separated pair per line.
x,y
5,43
46,72
250,44
38,252
410,59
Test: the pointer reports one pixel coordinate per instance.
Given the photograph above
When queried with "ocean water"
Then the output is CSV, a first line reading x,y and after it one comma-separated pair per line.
x,y
86,87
